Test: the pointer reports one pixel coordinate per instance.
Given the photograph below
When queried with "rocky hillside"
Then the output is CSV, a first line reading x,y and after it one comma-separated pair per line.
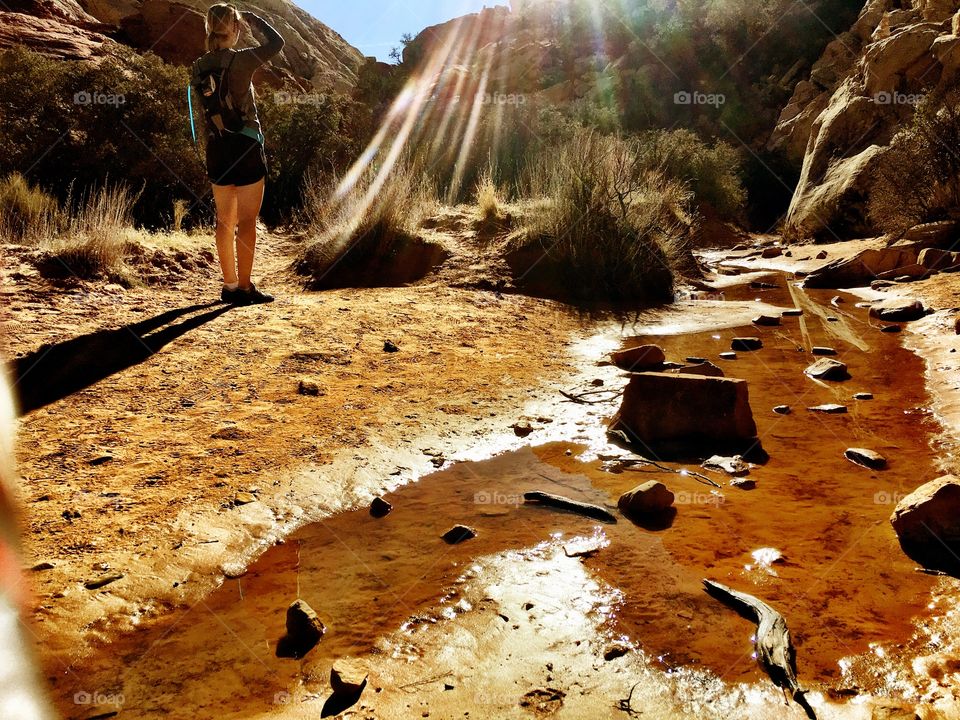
x,y
314,56
842,119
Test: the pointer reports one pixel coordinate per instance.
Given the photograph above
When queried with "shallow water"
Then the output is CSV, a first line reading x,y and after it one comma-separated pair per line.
x,y
813,539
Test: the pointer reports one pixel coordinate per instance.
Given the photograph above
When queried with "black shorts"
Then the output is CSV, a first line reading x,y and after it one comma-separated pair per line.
x,y
235,159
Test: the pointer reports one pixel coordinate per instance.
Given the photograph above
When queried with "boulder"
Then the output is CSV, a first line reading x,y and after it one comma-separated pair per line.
x,y
927,523
828,369
898,310
304,631
906,273
681,413
642,357
650,498
704,368
866,458
866,267
937,259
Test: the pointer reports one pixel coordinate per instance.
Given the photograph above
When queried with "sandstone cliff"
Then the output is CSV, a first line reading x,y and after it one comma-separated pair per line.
x,y
866,86
315,56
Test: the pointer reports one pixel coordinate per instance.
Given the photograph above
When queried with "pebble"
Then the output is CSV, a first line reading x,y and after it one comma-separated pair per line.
x,y
829,409
866,458
746,343
380,508
458,534
728,356
782,410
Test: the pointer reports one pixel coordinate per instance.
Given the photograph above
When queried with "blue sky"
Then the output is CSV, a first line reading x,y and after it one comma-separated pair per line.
x,y
375,26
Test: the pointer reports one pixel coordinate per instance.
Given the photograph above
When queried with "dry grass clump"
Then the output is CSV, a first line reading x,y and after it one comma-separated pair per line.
x,y
607,227
490,199
28,215
356,231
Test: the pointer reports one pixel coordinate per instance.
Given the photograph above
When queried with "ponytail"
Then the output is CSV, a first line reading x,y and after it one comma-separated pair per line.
x,y
220,25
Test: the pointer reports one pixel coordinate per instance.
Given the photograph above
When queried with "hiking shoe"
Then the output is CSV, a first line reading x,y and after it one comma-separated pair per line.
x,y
252,296
232,297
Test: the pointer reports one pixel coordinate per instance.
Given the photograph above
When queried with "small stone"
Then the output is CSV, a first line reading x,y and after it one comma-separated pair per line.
x,y
763,285
836,301
309,388
650,498
782,410
598,382
244,498
523,429
304,631
863,396
728,356
695,360
642,357
348,677
380,508
793,312
881,284
891,329
743,483
101,460
832,318
102,582
707,369
458,534
766,321
898,310
822,255
829,409
827,369
866,458
40,566
823,351
771,252
390,347
615,651
746,343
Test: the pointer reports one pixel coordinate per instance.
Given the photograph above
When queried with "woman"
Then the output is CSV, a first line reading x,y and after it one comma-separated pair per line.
x,y
236,164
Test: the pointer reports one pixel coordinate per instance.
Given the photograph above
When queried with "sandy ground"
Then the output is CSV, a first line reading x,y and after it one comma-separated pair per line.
x,y
187,449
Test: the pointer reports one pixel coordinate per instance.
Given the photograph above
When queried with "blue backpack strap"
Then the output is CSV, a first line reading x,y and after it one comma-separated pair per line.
x,y
193,126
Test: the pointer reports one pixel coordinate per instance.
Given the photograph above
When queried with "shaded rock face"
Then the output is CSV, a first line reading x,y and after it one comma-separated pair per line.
x,y
314,55
927,523
679,414
841,120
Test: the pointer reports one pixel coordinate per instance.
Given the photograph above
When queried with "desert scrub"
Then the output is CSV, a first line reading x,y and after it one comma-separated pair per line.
x,y
96,235
28,215
489,196
605,226
363,231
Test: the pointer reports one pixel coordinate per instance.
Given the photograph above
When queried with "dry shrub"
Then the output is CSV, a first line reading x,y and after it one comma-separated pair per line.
x,y
359,233
489,196
28,215
607,227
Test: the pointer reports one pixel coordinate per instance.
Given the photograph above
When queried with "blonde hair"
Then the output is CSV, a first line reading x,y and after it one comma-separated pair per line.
x,y
220,25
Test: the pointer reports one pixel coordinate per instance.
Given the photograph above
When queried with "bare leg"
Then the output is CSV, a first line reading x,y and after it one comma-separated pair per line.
x,y
249,200
225,197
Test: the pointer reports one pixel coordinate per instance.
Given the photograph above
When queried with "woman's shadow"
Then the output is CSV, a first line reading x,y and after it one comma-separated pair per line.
x,y
53,372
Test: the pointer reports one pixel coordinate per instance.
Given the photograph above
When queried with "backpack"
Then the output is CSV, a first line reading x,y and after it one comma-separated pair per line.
x,y
213,89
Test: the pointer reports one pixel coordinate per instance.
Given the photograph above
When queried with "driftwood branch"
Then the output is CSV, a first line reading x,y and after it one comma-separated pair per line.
x,y
561,503
775,651
581,398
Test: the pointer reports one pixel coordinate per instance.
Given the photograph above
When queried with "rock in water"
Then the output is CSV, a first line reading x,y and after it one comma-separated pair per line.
x,y
927,523
793,312
766,321
458,534
782,410
823,351
651,498
863,396
348,677
898,310
746,344
866,458
728,356
705,368
380,508
829,409
674,413
304,631
771,252
642,357
735,466
827,369
891,329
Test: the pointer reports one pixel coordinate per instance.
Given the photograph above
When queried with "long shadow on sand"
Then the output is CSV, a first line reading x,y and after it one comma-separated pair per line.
x,y
57,371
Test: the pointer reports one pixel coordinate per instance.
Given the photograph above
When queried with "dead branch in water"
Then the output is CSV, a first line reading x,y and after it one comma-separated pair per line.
x,y
561,503
631,463
775,651
626,704
580,398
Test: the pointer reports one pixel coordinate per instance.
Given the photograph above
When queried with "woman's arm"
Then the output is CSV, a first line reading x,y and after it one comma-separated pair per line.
x,y
272,44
